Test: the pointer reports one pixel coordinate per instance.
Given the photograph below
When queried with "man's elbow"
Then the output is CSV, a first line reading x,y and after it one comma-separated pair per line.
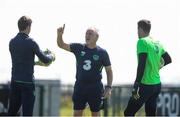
x,y
109,72
60,45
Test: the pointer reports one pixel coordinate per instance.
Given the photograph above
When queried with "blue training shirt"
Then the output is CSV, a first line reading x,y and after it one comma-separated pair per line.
x,y
23,50
89,63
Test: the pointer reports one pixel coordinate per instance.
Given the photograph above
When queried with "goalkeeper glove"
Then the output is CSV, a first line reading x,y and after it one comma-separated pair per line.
x,y
48,53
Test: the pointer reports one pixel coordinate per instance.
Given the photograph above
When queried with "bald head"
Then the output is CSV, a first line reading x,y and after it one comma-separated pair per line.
x,y
93,30
92,36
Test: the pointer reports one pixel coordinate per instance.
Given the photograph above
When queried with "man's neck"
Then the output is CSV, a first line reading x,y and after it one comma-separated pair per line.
x,y
91,46
24,31
145,35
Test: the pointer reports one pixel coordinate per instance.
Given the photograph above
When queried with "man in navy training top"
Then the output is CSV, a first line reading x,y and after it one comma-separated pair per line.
x,y
23,50
90,59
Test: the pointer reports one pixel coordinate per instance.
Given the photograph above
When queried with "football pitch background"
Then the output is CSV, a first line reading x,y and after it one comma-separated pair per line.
x,y
53,99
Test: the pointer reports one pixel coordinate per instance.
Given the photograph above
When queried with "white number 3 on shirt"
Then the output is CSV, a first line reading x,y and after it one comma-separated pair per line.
x,y
87,65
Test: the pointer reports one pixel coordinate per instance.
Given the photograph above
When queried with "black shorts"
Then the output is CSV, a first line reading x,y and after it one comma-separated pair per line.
x,y
88,94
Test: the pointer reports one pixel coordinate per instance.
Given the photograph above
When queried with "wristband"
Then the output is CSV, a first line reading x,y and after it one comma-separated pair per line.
x,y
108,86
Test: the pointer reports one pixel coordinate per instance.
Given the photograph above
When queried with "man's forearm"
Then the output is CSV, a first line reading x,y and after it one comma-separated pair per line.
x,y
141,67
167,59
109,77
60,41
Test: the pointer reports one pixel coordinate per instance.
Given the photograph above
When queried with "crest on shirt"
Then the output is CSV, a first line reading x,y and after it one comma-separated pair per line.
x,y
156,49
96,57
83,53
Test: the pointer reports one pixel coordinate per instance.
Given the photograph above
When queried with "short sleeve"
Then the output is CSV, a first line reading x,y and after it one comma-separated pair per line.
x,y
106,59
141,46
75,47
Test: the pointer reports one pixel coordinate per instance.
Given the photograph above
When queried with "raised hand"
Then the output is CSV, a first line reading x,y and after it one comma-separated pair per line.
x,y
60,30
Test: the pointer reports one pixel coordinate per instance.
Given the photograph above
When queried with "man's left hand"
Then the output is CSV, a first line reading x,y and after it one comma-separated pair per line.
x,y
107,92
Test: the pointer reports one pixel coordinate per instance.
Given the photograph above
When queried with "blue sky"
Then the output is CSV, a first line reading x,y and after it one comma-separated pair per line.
x,y
117,24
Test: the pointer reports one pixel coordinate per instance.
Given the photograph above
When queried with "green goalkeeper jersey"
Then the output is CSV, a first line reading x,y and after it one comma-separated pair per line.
x,y
154,52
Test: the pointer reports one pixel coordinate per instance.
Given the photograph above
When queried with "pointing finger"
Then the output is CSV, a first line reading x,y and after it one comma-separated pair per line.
x,y
63,26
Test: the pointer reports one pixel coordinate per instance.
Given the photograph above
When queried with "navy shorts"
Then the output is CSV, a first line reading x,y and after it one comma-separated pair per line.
x,y
88,94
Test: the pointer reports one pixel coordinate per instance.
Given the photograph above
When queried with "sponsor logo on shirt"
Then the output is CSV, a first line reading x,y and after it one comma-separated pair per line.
x,y
96,57
83,53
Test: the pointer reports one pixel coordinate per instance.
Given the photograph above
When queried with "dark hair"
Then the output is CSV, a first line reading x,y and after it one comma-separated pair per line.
x,y
24,22
145,25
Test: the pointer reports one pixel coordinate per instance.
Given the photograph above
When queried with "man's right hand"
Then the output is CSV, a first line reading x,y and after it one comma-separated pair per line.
x,y
60,30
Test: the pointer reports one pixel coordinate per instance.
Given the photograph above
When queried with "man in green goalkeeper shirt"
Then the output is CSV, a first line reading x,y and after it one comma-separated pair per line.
x,y
147,86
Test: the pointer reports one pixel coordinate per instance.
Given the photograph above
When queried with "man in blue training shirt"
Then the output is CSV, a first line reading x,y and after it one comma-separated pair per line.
x,y
90,59
23,50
